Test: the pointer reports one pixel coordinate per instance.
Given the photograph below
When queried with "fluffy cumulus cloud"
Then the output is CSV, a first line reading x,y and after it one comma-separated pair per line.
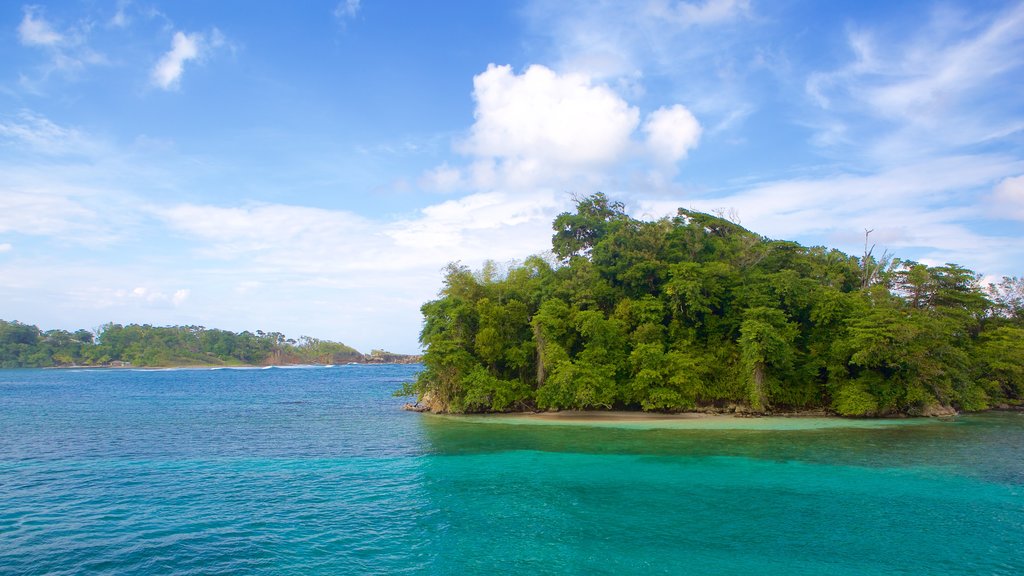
x,y
542,124
540,114
34,30
671,133
544,128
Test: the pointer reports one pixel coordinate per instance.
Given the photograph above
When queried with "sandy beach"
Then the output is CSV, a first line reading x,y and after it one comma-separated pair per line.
x,y
620,416
685,420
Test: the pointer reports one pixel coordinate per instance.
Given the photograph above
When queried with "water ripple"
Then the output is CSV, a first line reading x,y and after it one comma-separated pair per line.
x,y
317,472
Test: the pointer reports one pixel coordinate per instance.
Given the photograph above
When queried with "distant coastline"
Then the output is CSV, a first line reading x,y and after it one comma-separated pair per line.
x,y
400,360
145,346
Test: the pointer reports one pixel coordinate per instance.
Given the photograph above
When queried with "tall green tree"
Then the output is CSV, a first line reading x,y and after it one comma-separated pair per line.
x,y
696,310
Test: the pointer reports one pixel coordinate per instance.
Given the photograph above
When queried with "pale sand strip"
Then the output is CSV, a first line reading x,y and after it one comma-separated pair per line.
x,y
687,420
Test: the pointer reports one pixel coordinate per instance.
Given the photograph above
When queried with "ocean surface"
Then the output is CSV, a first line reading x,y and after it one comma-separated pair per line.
x,y
318,471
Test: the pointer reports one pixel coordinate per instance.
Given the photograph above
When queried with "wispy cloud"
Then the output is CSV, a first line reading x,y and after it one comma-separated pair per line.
x,y
36,133
346,10
62,183
120,19
35,30
929,210
702,50
304,240
443,178
67,50
704,13
933,89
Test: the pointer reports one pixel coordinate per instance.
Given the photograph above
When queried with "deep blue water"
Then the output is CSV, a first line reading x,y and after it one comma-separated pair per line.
x,y
317,471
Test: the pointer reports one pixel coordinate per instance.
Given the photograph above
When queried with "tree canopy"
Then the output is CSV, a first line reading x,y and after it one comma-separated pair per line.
x,y
696,311
25,346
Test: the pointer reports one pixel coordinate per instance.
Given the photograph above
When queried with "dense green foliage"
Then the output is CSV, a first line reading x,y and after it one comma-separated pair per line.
x,y
24,346
696,311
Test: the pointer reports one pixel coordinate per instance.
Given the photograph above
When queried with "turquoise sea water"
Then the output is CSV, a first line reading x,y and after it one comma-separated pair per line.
x,y
317,471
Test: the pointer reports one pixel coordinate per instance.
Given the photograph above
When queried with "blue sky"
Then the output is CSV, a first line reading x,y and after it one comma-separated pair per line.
x,y
311,167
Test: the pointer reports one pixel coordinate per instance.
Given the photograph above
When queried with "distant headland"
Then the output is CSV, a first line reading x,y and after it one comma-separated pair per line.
x,y
145,346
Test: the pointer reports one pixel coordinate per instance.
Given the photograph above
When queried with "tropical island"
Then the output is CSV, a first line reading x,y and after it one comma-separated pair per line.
x,y
696,313
114,345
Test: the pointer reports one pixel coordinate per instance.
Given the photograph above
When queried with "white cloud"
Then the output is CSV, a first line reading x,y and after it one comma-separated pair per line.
x,y
184,47
316,241
541,117
671,133
1008,199
34,30
545,130
6,247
